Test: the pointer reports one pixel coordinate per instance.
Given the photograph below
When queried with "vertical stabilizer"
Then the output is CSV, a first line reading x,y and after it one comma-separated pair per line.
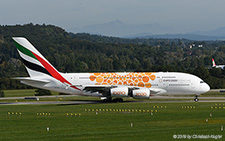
x,y
35,63
213,63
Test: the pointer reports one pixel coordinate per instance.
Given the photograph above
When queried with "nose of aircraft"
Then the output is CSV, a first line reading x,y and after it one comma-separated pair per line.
x,y
205,88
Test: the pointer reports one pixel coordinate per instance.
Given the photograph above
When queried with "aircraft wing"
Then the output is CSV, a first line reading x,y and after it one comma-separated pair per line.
x,y
105,88
97,88
157,91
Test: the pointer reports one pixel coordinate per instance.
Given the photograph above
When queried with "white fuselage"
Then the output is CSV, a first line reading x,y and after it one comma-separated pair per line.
x,y
169,83
220,66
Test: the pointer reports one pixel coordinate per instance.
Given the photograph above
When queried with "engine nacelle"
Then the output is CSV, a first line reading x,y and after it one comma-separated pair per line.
x,y
142,93
119,92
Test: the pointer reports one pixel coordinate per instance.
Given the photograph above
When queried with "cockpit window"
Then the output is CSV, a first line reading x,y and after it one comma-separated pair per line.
x,y
201,81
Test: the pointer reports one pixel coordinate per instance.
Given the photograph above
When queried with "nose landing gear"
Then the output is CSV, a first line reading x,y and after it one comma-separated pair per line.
x,y
196,98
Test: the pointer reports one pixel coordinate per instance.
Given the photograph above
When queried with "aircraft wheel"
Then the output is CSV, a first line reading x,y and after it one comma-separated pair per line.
x,y
114,100
117,100
120,100
109,99
196,99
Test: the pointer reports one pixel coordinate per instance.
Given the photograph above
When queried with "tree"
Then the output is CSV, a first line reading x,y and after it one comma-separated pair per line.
x,y
216,72
82,52
2,94
202,72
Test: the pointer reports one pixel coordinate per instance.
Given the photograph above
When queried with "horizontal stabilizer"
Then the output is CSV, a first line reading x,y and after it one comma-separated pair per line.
x,y
31,80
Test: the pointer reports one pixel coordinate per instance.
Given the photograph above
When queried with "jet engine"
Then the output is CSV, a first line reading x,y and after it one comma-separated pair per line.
x,y
119,92
142,93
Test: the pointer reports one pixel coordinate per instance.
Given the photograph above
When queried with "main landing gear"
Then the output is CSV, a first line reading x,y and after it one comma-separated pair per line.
x,y
109,99
117,100
196,98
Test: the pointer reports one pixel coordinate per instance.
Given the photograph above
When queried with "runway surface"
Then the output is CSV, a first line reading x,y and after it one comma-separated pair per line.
x,y
155,99
152,97
101,102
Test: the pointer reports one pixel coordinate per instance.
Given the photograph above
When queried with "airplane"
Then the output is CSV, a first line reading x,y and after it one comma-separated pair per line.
x,y
217,66
112,86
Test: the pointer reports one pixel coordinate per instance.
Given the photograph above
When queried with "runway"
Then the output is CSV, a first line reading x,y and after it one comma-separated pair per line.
x,y
182,97
152,97
101,102
155,99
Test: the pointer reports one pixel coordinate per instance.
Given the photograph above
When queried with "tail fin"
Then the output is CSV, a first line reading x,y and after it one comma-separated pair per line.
x,y
35,63
213,62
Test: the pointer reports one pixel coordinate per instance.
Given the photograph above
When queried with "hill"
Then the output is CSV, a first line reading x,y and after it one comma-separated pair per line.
x,y
119,29
70,52
195,37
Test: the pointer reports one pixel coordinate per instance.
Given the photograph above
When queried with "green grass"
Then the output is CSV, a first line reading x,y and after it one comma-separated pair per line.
x,y
214,94
107,125
22,93
19,93
162,125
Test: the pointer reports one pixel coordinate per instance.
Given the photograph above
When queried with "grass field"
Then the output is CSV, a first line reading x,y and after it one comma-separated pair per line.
x,y
18,93
169,119
108,121
22,93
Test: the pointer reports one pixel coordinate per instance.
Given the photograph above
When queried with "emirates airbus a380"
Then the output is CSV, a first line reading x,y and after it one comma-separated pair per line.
x,y
139,85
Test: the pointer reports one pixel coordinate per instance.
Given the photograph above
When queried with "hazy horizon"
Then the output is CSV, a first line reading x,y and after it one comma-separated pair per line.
x,y
179,15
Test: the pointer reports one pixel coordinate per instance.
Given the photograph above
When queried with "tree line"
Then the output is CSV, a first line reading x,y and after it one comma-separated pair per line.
x,y
83,52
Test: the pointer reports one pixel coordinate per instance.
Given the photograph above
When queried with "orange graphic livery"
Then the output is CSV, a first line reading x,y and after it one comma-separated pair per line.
x,y
130,79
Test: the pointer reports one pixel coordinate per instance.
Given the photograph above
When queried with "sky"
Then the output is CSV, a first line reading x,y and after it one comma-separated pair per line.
x,y
181,15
